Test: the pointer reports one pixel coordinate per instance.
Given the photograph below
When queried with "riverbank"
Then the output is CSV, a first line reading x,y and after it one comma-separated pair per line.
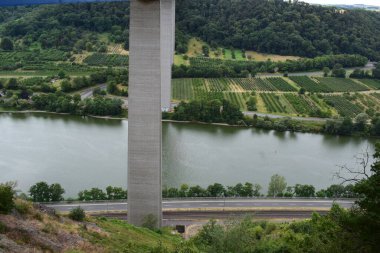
x,y
67,114
281,124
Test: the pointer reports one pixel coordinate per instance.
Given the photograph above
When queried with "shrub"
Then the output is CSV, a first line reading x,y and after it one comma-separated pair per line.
x,y
77,214
150,221
3,228
23,207
6,198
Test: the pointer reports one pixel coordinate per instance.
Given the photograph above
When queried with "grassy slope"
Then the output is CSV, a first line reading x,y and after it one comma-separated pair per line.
x,y
123,237
32,230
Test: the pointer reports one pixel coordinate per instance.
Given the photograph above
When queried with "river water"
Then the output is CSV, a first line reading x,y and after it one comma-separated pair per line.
x,y
80,153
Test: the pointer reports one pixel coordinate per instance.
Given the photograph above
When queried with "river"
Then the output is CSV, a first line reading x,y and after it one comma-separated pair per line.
x,y
81,153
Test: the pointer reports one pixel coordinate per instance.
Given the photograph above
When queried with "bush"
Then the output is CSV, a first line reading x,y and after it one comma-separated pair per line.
x,y
6,198
77,214
3,228
23,207
150,221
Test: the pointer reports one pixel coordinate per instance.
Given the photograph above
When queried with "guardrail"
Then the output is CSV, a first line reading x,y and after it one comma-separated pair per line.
x,y
196,199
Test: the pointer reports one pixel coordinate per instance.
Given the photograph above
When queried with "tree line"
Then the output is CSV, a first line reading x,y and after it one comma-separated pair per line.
x,y
214,68
277,187
210,111
222,111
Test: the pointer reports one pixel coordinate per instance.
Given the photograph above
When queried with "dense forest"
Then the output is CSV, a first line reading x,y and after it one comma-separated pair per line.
x,y
281,27
274,26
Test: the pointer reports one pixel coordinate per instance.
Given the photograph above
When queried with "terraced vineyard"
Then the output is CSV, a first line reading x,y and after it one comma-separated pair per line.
x,y
309,84
376,95
254,84
218,84
373,83
237,98
29,60
114,60
341,84
237,91
272,103
345,107
301,103
280,84
182,89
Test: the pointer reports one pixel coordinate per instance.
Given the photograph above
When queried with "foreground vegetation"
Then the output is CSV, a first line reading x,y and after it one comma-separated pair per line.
x,y
278,187
354,230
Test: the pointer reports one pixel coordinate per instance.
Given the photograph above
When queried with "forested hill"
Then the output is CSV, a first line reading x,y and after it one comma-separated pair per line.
x,y
271,26
276,26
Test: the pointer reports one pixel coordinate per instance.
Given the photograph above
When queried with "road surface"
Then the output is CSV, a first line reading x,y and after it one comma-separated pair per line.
x,y
88,92
226,204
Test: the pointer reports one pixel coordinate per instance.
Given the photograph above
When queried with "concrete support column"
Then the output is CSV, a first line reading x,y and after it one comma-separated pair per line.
x,y
167,51
144,126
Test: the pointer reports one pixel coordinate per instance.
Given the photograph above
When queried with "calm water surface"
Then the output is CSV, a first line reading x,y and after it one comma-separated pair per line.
x,y
81,153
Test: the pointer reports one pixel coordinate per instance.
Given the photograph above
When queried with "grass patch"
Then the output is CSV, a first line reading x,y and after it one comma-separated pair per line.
x,y
273,57
123,237
195,47
178,61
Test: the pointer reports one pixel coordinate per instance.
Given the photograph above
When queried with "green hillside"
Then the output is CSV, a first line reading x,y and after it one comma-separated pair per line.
x,y
276,27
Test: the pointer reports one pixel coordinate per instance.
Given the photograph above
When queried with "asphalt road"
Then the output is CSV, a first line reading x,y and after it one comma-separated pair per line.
x,y
227,204
87,93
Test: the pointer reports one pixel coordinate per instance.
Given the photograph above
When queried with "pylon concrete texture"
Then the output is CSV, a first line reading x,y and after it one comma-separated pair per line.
x,y
167,51
150,60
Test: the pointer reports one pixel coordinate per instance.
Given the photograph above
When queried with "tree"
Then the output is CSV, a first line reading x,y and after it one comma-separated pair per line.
x,y
40,192
252,104
205,50
183,191
216,190
116,193
61,74
368,217
56,192
339,71
77,214
277,185
361,122
66,86
12,84
376,72
304,190
6,44
6,198
326,71
111,88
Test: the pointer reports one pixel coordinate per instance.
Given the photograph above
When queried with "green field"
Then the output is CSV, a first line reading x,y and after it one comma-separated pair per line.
x,y
280,84
272,103
345,107
278,96
372,83
309,84
239,99
182,89
341,84
114,60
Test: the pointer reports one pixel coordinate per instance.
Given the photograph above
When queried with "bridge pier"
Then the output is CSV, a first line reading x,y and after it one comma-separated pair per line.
x,y
151,56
